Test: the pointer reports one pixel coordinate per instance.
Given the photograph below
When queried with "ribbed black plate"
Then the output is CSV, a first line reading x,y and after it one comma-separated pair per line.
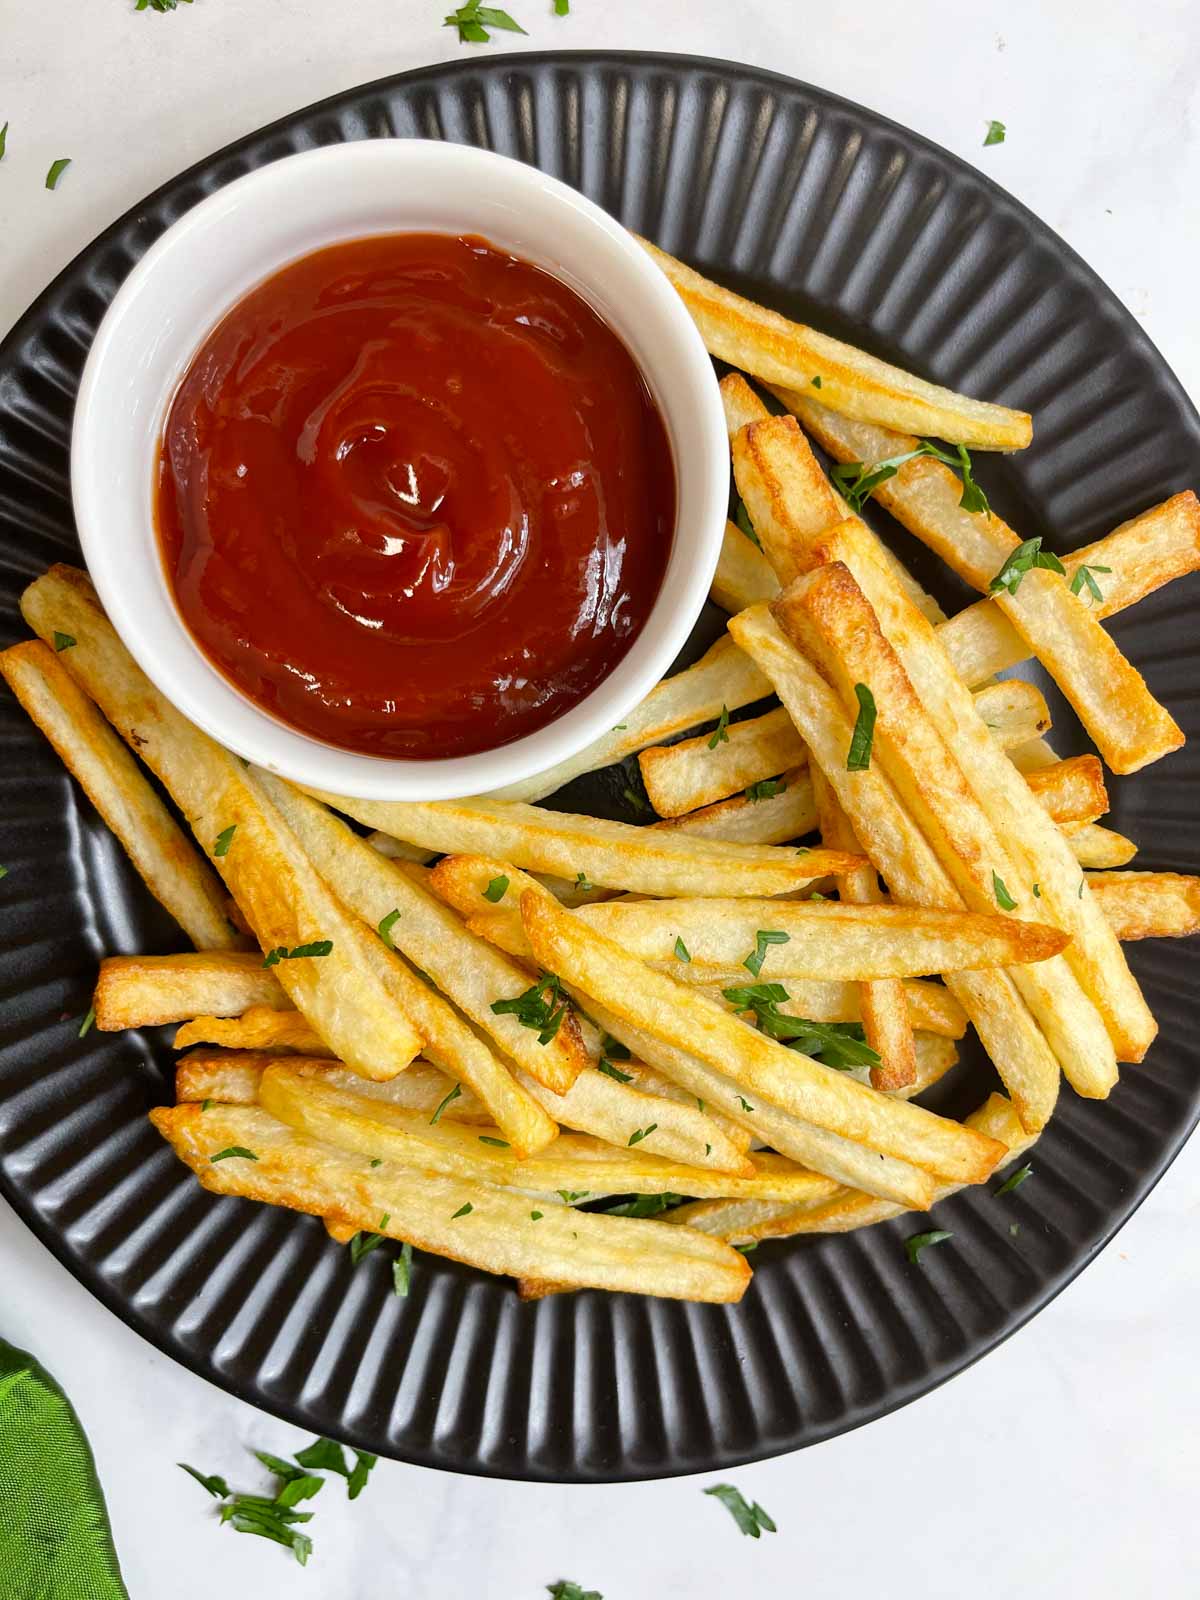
x,y
842,218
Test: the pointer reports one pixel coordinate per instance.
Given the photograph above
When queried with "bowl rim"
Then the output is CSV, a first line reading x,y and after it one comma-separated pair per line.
x,y
676,369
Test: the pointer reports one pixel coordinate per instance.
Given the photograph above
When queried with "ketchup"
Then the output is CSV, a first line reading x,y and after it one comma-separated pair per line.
x,y
414,497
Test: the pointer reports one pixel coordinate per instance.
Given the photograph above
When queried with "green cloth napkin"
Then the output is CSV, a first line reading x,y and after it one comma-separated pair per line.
x,y
55,1542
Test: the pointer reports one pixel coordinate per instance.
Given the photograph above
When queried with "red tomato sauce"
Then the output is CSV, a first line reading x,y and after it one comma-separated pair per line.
x,y
414,497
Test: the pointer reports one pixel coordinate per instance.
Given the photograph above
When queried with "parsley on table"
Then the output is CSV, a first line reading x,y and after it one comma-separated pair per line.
x,y
751,1519
995,134
540,1007
473,21
921,1241
160,5
858,482
3,140
1028,555
858,757
565,1590
57,168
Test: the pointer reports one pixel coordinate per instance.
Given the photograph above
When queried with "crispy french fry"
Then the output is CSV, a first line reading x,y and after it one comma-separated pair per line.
x,y
168,864
471,973
686,776
913,873
340,1232
144,991
747,1221
1148,905
228,1076
233,1077
263,867
1070,791
475,1223
260,1028
743,576
786,492
650,1081
827,615
397,850
722,677
886,1023
612,853
623,985
770,347
574,1162
824,939
1004,799
1097,847
755,818
1109,695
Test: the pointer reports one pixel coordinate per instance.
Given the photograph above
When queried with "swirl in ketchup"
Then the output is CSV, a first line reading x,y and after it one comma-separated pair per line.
x,y
414,497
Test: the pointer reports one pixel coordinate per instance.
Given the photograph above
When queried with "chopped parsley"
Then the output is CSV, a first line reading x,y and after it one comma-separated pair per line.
x,y
318,947
569,1196
563,1589
1037,891
1028,555
858,482
583,883
57,168
642,1133
463,1211
536,1216
473,21
85,1027
64,641
363,1243
1003,899
233,1150
1016,1180
496,889
816,382
540,1007
3,140
606,1067
719,735
499,1144
162,6
1085,579
386,924
646,1205
681,951
453,1095
751,1519
921,1241
402,1270
763,940
858,757
744,1103
224,840
562,8
635,801
765,789
613,1048
841,1045
995,134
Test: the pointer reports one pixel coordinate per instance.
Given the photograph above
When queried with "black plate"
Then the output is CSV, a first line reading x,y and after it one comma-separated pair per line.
x,y
832,214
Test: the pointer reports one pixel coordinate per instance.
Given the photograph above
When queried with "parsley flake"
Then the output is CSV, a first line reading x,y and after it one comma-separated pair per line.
x,y
583,883
402,1270
995,134
453,1095
500,1144
473,21
569,1196
641,1133
224,840
858,482
1003,899
85,1027
1016,1180
858,757
841,1045
564,1590
719,735
763,939
741,518
535,1216
57,168
463,1211
496,889
233,1150
681,951
318,947
816,382
1085,579
386,924
920,1241
541,1007
605,1066
751,1519
634,800
64,641
3,142
765,789
1028,555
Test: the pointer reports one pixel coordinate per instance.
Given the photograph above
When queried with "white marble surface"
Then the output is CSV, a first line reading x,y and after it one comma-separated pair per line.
x,y
1069,1459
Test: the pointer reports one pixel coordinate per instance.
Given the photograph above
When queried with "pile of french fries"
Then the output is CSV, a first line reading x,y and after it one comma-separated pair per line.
x,y
590,1054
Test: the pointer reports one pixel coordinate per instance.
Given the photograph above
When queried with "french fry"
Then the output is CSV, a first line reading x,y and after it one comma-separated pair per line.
x,y
167,863
260,1028
838,1159
825,939
1140,556
788,813
828,616
650,1081
787,495
625,987
1097,847
144,991
932,1008
743,576
770,347
575,1163
1147,905
747,1222
684,777
475,1223
611,853
233,1077
229,1076
397,850
1070,791
1111,699
884,1006
913,873
264,869
469,972
722,677
1004,799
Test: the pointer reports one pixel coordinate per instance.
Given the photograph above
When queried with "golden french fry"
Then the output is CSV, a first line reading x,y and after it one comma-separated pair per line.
x,y
397,850
260,1028
264,869
1097,847
170,867
722,677
743,576
827,615
143,991
228,1076
472,974
788,812
1148,905
913,873
1109,695
611,853
650,1081
475,1223
233,1077
574,1162
1070,791
825,939
1051,876
748,1221
770,347
624,986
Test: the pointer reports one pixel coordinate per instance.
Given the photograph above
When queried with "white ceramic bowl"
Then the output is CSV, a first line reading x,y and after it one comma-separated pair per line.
x,y
230,242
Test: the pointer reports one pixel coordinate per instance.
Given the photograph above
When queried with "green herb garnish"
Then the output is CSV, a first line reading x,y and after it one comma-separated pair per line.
x,y
751,1519
453,1095
500,1144
386,924
645,1205
85,1027
3,140
719,735
1084,579
463,1211
763,939
215,1485
57,168
1003,899
162,6
224,840
318,947
605,1066
642,1133
841,1045
613,1048
64,641
995,133
920,1241
635,800
858,482
234,1150
402,1270
1016,1180
569,1196
583,883
681,951
535,1216
744,1103
540,1007
858,757
563,1590
766,789
496,889
1028,555
473,20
